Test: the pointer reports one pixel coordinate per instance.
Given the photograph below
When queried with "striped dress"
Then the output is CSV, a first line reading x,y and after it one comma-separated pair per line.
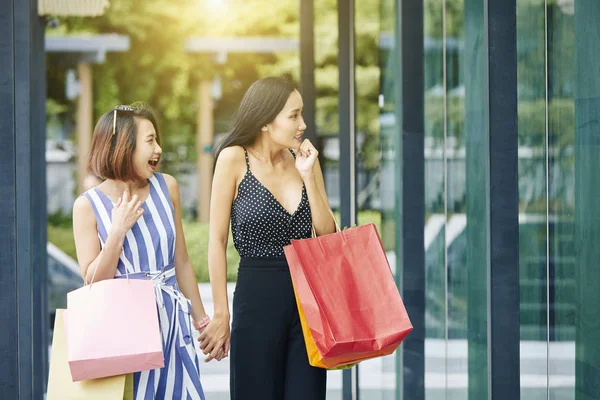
x,y
148,253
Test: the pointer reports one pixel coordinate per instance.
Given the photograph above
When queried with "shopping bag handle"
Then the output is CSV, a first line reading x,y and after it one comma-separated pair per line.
x,y
96,269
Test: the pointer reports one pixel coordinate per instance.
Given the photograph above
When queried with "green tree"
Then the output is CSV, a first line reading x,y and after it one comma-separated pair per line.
x,y
157,69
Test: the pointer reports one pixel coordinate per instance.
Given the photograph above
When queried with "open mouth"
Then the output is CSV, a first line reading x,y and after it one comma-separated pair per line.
x,y
299,137
153,163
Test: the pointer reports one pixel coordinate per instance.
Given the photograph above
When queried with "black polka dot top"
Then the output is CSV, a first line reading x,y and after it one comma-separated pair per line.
x,y
260,225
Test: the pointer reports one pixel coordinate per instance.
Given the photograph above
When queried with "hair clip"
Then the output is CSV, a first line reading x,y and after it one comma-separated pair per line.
x,y
120,108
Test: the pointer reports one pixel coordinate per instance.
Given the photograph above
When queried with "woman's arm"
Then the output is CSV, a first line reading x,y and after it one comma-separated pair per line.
x,y
308,166
186,278
102,264
216,334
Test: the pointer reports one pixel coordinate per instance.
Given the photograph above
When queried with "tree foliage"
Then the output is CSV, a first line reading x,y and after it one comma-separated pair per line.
x,y
157,68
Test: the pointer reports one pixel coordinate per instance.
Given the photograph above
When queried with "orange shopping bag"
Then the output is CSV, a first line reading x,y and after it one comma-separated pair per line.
x,y
349,304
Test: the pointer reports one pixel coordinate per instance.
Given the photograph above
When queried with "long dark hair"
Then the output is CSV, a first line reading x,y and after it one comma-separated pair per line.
x,y
261,103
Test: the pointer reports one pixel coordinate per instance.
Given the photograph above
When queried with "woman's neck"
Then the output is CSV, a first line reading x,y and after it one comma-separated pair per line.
x,y
132,187
267,152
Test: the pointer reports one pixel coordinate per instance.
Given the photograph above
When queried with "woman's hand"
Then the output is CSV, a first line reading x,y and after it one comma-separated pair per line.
x,y
215,338
201,326
125,213
305,159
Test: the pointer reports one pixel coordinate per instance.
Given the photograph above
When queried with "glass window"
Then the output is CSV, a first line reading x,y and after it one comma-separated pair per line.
x,y
533,232
377,157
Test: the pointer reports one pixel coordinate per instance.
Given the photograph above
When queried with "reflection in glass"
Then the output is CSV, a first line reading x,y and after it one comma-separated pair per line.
x,y
545,33
561,212
533,232
435,204
477,184
377,135
456,211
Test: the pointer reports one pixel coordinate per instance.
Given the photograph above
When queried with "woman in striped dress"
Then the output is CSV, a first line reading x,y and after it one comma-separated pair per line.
x,y
132,222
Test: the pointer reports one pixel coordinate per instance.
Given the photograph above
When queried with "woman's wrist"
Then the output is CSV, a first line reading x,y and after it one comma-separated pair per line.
x,y
307,176
221,314
201,324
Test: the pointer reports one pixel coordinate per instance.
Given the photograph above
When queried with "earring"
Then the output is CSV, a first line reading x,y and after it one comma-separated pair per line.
x,y
264,129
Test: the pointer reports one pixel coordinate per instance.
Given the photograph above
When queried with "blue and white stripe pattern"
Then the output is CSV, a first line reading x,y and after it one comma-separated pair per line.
x,y
148,253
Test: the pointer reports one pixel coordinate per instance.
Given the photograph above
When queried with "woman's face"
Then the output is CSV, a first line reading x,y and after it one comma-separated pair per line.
x,y
288,127
147,151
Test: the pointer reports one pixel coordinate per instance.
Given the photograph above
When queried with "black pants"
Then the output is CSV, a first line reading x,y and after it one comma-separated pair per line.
x,y
268,354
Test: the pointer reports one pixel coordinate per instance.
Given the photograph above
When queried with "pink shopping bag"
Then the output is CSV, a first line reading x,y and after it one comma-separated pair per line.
x,y
112,329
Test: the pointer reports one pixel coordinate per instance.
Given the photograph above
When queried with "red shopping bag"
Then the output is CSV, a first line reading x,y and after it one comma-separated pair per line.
x,y
347,296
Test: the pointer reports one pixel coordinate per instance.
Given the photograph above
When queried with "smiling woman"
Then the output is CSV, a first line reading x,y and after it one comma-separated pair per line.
x,y
118,135
130,226
268,186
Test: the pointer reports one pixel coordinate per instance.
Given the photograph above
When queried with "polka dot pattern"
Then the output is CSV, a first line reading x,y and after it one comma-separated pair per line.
x,y
260,225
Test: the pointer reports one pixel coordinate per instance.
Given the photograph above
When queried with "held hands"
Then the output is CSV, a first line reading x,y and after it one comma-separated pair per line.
x,y
125,213
305,159
215,338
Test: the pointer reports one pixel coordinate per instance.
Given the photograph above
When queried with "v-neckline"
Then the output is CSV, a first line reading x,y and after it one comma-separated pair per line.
x,y
275,198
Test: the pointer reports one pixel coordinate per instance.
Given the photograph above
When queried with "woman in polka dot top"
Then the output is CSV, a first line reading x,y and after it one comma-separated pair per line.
x,y
269,186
